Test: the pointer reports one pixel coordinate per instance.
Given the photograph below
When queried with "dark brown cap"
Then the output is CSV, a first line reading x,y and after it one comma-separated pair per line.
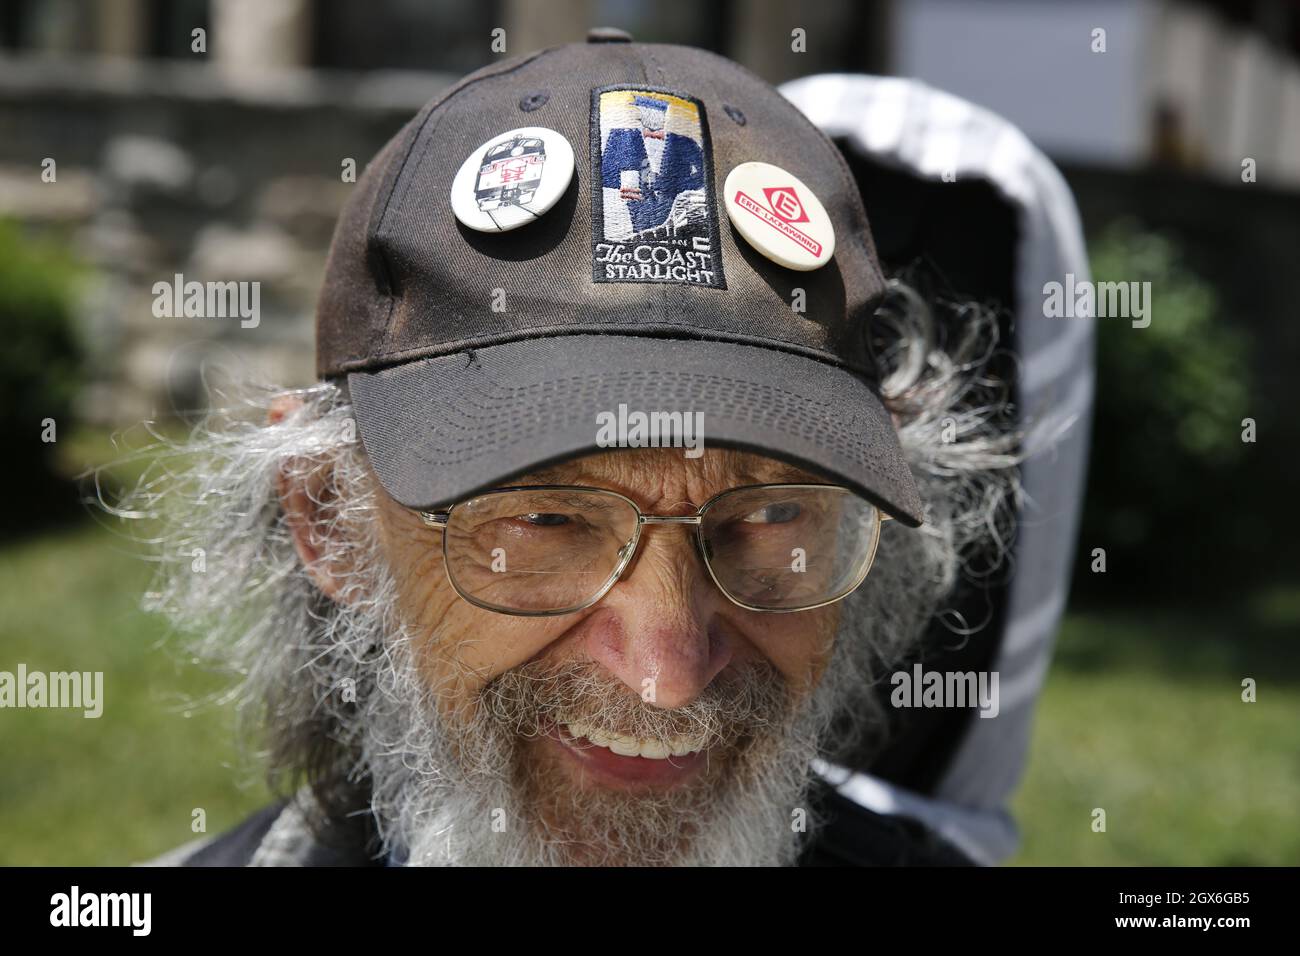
x,y
475,356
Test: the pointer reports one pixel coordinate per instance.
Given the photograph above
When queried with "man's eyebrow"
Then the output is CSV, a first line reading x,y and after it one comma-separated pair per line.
x,y
787,473
570,499
772,471
777,472
555,475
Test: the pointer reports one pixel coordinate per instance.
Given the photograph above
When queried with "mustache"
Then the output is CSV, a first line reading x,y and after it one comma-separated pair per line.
x,y
531,699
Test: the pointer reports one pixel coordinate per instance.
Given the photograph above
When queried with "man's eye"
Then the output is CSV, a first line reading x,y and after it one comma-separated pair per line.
x,y
544,519
781,512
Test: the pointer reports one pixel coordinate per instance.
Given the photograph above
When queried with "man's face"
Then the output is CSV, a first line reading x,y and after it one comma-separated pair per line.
x,y
663,654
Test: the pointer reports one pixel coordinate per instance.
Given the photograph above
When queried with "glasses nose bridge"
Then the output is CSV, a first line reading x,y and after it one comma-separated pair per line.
x,y
631,552
669,519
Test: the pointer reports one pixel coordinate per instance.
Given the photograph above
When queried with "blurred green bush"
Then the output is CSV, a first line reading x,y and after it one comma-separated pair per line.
x,y
1168,465
41,362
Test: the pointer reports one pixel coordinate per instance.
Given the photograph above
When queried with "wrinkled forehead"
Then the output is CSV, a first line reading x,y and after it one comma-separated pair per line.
x,y
668,472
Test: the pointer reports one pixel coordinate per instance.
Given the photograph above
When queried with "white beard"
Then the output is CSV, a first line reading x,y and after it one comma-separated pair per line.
x,y
476,803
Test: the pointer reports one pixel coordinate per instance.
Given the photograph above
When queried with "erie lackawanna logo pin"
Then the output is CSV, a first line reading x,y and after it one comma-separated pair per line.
x,y
654,212
779,216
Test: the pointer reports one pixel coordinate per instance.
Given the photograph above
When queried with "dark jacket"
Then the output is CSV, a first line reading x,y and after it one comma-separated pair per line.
x,y
849,836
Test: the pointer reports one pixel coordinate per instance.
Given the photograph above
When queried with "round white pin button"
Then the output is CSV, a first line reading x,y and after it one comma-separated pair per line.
x,y
512,179
779,216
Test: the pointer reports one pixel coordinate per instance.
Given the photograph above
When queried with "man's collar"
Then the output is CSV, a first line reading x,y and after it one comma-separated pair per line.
x,y
848,835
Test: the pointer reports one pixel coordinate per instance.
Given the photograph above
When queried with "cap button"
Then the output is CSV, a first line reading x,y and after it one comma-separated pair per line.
x,y
608,35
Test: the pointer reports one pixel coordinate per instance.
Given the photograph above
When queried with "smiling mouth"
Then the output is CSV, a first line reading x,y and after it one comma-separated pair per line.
x,y
622,761
680,745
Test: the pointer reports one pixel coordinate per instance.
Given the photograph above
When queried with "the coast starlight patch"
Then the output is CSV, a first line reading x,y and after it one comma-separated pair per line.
x,y
653,206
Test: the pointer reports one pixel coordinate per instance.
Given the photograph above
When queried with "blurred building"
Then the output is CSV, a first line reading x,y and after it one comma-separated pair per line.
x,y
1198,86
210,138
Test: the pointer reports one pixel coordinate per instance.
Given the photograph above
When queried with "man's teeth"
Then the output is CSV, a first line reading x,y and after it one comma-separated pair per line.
x,y
676,746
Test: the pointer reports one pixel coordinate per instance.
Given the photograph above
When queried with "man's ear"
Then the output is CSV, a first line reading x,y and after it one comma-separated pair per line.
x,y
304,494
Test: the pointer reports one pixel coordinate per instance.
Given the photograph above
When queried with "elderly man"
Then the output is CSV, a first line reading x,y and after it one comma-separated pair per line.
x,y
582,550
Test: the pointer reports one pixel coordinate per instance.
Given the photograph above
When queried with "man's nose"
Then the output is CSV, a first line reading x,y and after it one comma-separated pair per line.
x,y
663,635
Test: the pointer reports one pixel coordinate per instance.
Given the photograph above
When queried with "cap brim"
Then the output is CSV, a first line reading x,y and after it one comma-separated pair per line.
x,y
438,430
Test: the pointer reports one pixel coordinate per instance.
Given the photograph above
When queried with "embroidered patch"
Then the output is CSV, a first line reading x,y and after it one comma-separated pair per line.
x,y
654,214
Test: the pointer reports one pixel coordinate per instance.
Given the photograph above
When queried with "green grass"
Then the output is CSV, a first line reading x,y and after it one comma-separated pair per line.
x,y
120,788
1141,716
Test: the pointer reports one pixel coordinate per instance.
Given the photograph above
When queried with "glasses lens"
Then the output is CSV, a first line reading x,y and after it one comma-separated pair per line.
x,y
537,551
785,548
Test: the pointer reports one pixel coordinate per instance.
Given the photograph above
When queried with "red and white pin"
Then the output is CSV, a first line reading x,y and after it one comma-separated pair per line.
x,y
512,179
779,216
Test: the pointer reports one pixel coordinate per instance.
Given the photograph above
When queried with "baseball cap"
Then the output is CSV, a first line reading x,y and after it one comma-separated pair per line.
x,y
601,225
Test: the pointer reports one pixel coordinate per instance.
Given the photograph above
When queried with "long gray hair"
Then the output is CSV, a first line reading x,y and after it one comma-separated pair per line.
x,y
305,668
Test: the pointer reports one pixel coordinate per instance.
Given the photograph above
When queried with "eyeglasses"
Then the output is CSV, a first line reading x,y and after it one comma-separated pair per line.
x,y
556,549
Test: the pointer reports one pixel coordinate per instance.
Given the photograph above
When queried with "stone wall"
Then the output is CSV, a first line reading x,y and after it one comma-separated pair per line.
x,y
165,168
